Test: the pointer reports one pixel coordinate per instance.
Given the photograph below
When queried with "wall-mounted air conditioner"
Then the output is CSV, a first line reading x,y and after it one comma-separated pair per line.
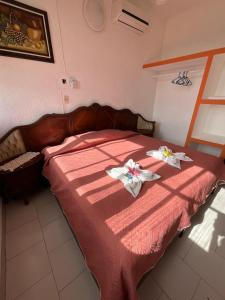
x,y
130,15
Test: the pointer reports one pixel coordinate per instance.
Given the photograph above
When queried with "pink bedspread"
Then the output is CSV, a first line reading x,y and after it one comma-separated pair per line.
x,y
122,237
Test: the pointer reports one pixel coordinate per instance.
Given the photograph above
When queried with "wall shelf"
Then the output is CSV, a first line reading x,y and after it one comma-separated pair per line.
x,y
203,142
213,101
195,61
194,65
184,58
216,98
209,139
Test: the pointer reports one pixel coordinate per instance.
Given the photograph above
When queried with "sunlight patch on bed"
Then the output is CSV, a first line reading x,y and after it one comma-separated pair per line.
x,y
118,145
93,184
66,144
148,236
104,193
183,177
64,162
140,207
204,179
99,189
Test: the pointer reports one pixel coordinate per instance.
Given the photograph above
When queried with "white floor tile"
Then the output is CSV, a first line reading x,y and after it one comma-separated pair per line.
x,y
56,233
164,297
22,238
204,292
48,213
45,289
209,266
67,263
148,289
42,198
180,246
84,287
175,278
26,269
18,214
201,250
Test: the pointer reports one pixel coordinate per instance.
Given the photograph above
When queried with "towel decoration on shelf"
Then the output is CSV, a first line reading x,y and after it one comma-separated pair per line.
x,y
172,159
132,176
182,79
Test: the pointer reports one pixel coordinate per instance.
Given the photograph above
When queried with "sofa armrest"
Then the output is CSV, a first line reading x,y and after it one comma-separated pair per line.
x,y
11,146
145,127
18,162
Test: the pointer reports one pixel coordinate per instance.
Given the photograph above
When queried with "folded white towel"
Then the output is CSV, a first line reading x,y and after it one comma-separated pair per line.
x,y
132,176
172,159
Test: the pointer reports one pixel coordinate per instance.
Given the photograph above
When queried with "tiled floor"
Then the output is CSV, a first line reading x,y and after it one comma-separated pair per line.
x,y
45,263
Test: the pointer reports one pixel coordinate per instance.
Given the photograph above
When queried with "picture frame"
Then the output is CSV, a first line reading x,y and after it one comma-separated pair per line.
x,y
24,32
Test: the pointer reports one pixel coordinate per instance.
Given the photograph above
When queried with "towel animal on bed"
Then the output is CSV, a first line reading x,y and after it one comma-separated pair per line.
x,y
172,159
132,176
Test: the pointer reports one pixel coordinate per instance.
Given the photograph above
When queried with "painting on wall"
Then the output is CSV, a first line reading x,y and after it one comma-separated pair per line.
x,y
24,32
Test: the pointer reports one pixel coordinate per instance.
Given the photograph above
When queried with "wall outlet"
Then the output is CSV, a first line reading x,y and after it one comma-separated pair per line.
x,y
66,99
68,82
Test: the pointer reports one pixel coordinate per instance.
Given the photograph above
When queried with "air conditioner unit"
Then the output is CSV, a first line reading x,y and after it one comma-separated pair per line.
x,y
130,15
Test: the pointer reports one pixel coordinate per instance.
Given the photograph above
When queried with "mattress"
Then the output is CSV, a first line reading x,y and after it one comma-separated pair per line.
x,y
123,237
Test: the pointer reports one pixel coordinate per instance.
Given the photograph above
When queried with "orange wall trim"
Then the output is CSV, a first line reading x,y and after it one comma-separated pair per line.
x,y
199,99
213,101
223,153
203,142
185,57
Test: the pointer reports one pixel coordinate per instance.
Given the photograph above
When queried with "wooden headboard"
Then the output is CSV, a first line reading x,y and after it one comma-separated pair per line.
x,y
52,129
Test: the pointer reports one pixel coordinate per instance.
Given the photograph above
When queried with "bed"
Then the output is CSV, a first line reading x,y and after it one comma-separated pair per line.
x,y
123,237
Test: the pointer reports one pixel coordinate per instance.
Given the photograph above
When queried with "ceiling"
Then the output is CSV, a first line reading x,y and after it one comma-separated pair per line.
x,y
173,7
170,8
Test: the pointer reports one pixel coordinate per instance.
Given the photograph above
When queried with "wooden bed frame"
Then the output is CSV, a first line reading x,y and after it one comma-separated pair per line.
x,y
52,129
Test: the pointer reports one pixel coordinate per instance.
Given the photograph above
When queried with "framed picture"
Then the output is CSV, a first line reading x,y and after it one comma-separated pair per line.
x,y
24,32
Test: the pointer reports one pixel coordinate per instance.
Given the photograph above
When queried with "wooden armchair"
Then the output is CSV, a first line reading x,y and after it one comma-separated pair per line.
x,y
19,170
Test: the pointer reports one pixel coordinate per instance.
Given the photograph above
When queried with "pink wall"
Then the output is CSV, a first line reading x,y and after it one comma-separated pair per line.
x,y
29,88
108,66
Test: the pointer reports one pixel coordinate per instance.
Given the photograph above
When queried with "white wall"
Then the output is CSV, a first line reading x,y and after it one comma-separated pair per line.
x,y
173,108
108,66
211,123
197,29
215,85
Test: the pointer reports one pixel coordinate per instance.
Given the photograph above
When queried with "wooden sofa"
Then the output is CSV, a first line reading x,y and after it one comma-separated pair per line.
x,y
52,129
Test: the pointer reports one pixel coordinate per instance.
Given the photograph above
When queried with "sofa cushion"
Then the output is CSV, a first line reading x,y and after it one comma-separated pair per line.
x,y
12,146
19,161
143,124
